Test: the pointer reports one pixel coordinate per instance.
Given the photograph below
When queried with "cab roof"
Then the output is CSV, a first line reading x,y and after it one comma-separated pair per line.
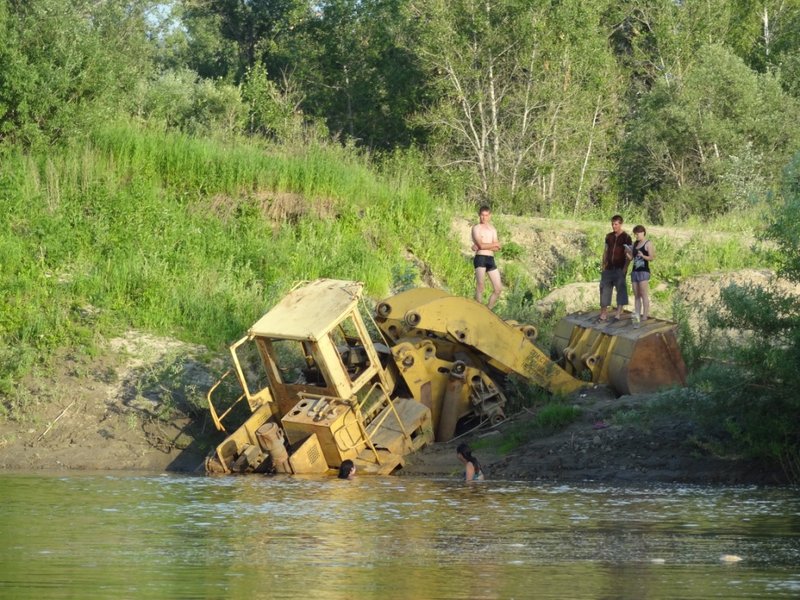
x,y
309,311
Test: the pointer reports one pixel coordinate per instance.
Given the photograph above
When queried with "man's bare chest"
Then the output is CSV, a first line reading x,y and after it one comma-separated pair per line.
x,y
484,234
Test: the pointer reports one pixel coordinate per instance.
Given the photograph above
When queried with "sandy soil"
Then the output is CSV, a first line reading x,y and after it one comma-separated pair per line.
x,y
127,407
119,410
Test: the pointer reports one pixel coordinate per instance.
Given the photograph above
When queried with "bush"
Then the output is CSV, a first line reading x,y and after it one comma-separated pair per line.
x,y
272,112
180,99
752,397
66,65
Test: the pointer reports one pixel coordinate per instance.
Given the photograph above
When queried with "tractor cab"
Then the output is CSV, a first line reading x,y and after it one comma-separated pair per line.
x,y
315,379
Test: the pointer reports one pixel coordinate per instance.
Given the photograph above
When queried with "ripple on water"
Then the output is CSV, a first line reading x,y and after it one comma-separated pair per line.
x,y
141,536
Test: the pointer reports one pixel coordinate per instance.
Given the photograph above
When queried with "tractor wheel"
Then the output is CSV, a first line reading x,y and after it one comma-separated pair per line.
x,y
496,419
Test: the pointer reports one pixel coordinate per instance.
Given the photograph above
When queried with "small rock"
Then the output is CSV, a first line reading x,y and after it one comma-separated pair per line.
x,y
730,558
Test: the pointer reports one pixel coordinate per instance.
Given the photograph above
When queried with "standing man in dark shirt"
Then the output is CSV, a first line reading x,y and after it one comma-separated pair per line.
x,y
615,268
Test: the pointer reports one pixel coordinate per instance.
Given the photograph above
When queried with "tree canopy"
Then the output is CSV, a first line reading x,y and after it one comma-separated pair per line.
x,y
684,108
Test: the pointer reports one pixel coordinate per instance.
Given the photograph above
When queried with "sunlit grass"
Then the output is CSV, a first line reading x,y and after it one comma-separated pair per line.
x,y
196,237
189,237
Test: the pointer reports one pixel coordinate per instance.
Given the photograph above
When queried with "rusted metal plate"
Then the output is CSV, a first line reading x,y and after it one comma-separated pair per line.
x,y
630,357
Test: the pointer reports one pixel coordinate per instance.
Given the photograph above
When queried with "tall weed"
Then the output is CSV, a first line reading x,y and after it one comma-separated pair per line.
x,y
196,237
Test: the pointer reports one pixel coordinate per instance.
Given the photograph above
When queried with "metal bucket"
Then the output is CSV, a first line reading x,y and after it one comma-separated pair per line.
x,y
630,359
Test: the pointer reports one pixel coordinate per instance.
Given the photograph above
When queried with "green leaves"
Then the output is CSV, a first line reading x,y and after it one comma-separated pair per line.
x,y
784,230
755,390
710,141
64,65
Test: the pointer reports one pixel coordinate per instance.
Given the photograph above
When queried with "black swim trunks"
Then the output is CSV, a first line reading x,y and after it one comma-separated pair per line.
x,y
483,261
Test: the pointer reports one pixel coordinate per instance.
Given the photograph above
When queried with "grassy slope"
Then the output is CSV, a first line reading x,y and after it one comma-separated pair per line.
x,y
193,237
196,238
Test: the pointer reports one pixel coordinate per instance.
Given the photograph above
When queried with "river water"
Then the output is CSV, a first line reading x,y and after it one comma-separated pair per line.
x,y
126,535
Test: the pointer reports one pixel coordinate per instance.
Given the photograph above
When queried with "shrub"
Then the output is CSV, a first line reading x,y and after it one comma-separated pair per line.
x,y
180,99
753,395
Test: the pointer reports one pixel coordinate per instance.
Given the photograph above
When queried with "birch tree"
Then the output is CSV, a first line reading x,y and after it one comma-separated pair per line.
x,y
524,97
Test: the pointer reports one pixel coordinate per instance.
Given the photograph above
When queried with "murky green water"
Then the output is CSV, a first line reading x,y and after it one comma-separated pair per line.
x,y
135,536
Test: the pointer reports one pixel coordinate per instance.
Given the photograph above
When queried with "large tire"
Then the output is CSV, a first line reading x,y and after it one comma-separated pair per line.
x,y
214,466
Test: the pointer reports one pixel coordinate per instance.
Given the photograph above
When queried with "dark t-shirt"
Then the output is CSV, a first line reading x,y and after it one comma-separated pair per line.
x,y
640,264
614,257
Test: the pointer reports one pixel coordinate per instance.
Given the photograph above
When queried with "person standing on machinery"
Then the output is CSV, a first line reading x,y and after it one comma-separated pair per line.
x,y
615,268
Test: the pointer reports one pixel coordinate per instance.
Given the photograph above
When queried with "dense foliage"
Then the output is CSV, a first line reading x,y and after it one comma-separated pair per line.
x,y
64,66
753,400
682,108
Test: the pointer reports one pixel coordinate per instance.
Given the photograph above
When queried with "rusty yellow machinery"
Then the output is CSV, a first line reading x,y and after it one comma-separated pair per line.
x,y
629,357
321,382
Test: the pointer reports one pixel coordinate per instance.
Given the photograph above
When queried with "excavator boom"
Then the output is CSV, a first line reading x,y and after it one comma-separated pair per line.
x,y
506,346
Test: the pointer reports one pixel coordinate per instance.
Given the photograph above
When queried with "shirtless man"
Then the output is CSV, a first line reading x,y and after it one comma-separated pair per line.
x,y
485,243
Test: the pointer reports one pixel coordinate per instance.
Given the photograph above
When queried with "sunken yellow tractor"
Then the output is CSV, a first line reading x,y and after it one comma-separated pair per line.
x,y
319,379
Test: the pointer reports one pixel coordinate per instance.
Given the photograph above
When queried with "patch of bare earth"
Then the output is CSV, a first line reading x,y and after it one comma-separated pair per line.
x,y
544,248
598,447
703,292
134,404
124,409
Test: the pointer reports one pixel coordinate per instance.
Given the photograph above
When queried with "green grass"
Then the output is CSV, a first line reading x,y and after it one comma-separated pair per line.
x,y
197,237
556,416
194,238
703,255
551,417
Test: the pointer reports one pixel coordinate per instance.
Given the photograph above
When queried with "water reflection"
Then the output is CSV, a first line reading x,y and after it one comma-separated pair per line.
x,y
126,536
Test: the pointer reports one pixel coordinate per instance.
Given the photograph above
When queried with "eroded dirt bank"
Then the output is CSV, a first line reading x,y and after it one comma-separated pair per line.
x,y
600,447
128,407
122,409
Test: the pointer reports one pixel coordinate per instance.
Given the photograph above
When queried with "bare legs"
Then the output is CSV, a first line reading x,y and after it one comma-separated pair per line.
x,y
497,287
480,284
641,294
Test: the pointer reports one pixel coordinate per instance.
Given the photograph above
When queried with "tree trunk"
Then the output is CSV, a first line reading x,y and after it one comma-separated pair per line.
x,y
586,158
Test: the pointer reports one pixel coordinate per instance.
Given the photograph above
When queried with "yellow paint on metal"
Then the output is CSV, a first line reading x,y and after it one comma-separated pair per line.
x,y
244,436
506,346
393,310
308,458
629,358
332,388
292,319
334,423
